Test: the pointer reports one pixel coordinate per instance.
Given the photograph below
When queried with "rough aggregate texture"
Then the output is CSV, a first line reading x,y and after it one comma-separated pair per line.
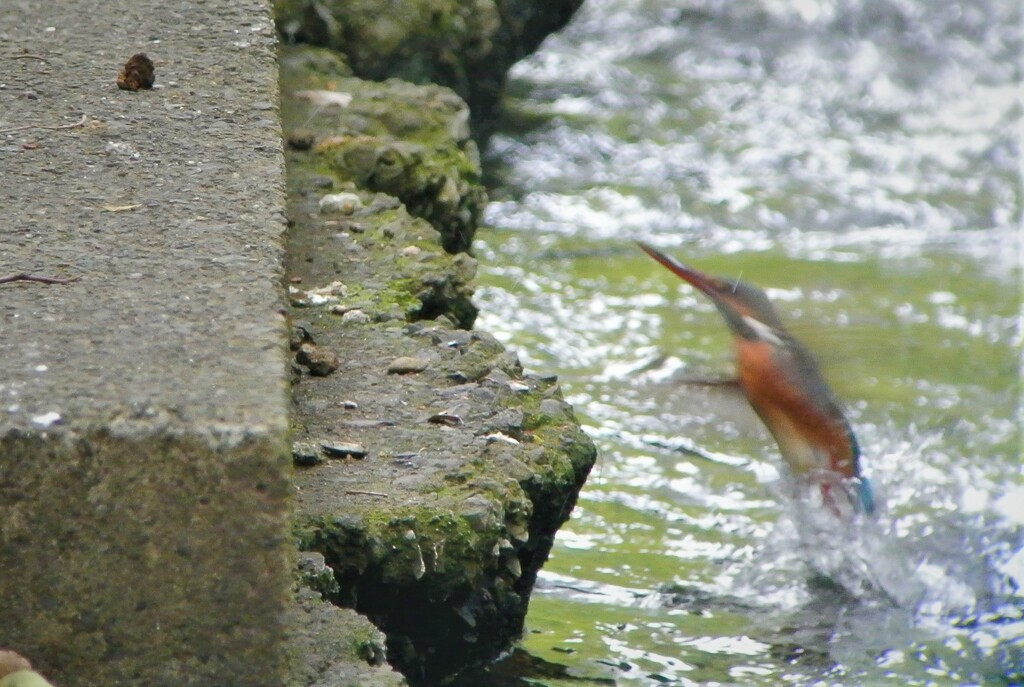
x,y
409,142
438,531
466,45
333,646
143,407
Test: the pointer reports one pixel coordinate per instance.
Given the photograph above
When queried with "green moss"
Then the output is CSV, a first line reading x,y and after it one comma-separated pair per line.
x,y
411,142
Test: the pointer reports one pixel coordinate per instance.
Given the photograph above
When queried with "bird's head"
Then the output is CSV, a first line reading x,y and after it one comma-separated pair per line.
x,y
746,308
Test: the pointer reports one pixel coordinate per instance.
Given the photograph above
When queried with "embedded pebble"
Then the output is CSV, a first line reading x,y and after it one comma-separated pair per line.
x,y
407,364
410,251
302,332
343,449
498,437
356,316
331,293
553,407
482,514
306,453
445,418
326,98
318,360
343,203
301,139
497,376
46,419
316,574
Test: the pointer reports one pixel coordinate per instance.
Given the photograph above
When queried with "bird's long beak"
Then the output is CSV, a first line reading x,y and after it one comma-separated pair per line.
x,y
698,280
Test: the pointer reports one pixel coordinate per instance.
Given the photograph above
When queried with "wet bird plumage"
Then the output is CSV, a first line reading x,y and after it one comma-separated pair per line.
x,y
784,386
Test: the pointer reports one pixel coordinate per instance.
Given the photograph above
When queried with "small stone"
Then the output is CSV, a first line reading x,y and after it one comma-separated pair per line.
x,y
306,453
342,203
518,532
498,437
407,364
410,251
482,514
497,377
515,569
509,362
465,267
302,333
445,418
312,562
356,316
326,98
344,449
301,139
406,459
457,339
553,407
318,360
317,575
509,420
324,295
349,405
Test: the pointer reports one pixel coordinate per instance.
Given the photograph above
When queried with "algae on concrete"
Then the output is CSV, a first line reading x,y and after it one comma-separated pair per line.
x,y
409,142
465,45
468,466
438,534
320,659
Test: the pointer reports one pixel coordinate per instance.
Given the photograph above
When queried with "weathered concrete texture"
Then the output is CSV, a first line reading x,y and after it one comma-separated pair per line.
x,y
451,471
407,141
466,45
333,646
143,407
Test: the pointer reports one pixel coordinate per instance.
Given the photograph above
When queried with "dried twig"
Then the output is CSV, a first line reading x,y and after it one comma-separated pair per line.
x,y
42,280
27,56
73,125
119,208
365,493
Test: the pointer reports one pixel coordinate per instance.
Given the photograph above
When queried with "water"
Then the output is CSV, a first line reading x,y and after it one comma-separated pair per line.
x,y
858,159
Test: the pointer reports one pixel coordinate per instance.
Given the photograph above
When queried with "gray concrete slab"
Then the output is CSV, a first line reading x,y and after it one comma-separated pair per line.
x,y
143,467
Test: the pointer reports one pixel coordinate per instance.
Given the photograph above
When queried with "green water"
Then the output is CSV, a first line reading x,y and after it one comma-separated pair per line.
x,y
860,162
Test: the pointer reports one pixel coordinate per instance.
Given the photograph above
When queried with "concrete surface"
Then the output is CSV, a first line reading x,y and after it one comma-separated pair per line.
x,y
458,468
467,45
143,470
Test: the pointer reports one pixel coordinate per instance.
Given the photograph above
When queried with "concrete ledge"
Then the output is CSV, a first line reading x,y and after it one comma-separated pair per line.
x,y
433,472
143,413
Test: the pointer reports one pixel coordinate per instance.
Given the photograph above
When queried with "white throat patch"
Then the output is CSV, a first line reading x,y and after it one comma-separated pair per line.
x,y
763,331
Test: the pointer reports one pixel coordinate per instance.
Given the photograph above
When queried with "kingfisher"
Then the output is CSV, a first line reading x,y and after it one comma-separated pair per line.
x,y
785,388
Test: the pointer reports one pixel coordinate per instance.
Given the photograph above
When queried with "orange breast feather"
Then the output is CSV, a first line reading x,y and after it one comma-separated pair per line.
x,y
810,430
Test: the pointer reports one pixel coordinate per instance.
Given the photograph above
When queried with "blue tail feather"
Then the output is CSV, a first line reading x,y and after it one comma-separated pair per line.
x,y
866,494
